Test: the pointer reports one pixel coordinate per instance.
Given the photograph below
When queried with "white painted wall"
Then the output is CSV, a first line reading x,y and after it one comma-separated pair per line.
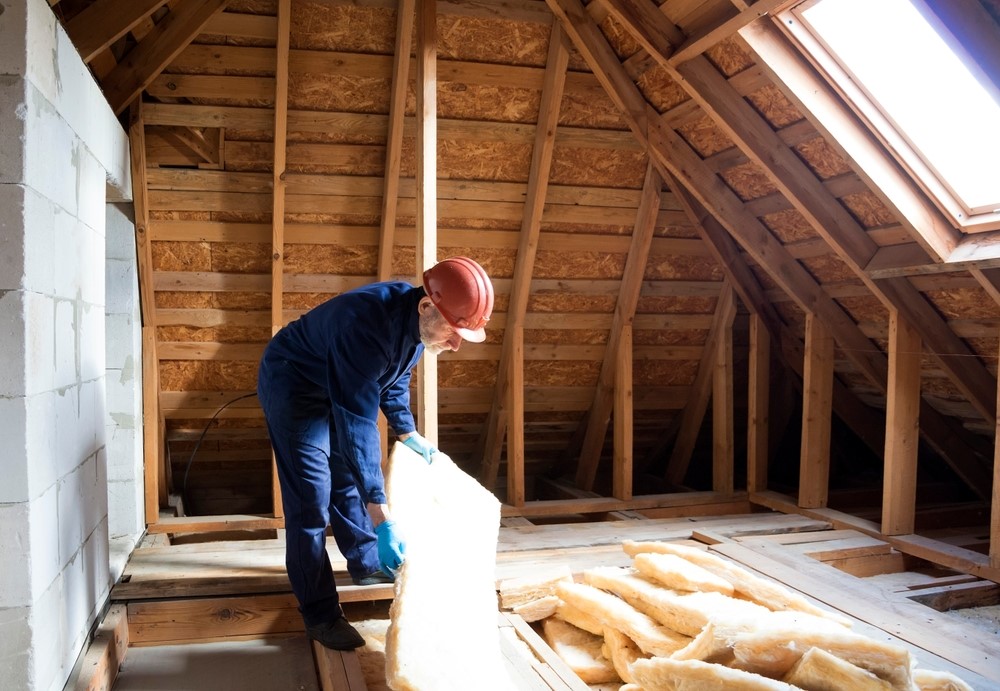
x,y
60,150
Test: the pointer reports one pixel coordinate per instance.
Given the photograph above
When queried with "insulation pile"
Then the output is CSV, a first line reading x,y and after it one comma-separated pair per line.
x,y
683,618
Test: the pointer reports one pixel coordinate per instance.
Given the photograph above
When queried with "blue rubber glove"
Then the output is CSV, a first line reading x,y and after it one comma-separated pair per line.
x,y
390,547
421,446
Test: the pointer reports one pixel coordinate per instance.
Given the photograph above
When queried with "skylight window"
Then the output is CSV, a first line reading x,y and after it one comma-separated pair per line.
x,y
908,75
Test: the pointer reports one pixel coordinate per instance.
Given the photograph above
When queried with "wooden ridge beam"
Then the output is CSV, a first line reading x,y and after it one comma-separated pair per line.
x,y
102,23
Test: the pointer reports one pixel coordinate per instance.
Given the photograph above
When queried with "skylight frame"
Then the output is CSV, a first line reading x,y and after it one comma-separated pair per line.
x,y
846,83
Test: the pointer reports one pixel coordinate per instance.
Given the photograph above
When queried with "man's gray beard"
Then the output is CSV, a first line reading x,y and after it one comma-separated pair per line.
x,y
435,349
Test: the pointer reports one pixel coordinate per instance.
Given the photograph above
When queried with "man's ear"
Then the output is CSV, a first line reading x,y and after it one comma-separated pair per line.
x,y
425,305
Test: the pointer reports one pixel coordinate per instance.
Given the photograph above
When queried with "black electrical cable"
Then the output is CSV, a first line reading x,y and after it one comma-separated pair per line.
x,y
201,438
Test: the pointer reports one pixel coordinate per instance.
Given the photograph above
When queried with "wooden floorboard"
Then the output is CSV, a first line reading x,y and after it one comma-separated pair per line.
x,y
238,589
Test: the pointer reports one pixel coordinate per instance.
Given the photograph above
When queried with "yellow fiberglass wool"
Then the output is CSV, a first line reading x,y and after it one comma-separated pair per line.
x,y
443,633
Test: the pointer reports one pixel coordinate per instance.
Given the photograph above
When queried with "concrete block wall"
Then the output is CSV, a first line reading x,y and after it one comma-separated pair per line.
x,y
61,149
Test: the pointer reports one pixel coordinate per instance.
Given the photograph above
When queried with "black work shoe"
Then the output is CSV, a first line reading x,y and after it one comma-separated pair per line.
x,y
336,635
374,578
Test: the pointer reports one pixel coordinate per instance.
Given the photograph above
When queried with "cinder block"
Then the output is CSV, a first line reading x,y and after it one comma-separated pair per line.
x,y
41,439
40,218
40,342
91,335
14,47
121,287
13,375
91,190
50,151
50,639
125,509
17,653
124,450
123,344
14,465
119,232
15,536
65,372
13,121
12,236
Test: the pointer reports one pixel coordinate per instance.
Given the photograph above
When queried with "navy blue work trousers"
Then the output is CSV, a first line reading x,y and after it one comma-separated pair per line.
x,y
317,489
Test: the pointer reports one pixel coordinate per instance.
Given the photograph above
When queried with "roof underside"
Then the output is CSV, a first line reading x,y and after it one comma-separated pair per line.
x,y
610,166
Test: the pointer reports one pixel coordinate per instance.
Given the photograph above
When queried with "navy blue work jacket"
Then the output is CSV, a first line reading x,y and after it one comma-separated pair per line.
x,y
360,348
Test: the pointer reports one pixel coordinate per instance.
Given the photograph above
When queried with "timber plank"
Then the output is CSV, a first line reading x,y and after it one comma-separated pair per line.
x,y
338,670
106,652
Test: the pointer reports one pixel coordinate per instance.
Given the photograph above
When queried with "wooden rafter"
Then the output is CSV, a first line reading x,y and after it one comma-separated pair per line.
x,y
799,184
628,297
678,158
394,137
491,438
99,25
154,52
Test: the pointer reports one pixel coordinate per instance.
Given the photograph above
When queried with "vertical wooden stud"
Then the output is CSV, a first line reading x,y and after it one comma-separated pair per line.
x,y
902,428
426,184
515,430
758,414
723,453
621,478
817,407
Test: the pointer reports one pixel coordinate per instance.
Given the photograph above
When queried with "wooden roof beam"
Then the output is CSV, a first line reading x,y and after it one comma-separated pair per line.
x,y
146,61
678,158
99,25
628,297
825,214
491,439
394,139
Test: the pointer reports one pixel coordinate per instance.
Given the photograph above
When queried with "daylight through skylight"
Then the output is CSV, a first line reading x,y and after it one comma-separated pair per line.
x,y
912,75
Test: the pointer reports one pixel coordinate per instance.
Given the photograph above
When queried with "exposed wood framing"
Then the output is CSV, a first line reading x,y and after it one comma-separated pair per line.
x,y
902,428
106,653
758,398
155,493
677,157
621,472
338,670
628,297
830,219
817,411
491,438
394,138
154,52
701,390
426,206
99,25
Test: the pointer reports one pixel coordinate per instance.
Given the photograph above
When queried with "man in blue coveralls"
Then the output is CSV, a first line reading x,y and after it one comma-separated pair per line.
x,y
322,380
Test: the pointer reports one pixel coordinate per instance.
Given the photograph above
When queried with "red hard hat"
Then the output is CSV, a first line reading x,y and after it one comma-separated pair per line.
x,y
462,292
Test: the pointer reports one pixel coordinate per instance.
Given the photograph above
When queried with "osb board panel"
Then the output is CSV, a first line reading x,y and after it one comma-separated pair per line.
x,y
475,160
675,305
588,110
788,226
868,209
578,265
566,336
619,38
268,7
986,348
660,89
487,102
212,300
566,302
730,56
480,39
343,27
748,181
675,267
561,373
774,106
664,372
822,158
704,136
214,334
941,388
598,167
963,303
207,375
349,260
467,373
828,269
338,92
223,257
865,308
695,337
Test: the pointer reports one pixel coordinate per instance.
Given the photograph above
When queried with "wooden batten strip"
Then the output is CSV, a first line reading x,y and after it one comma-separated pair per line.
x,y
723,442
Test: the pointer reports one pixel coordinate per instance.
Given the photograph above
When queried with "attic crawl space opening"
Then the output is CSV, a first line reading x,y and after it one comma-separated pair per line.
x,y
923,75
